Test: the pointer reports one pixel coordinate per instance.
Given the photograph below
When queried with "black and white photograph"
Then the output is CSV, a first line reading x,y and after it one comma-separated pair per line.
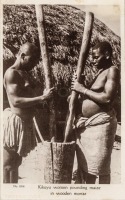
x,y
62,114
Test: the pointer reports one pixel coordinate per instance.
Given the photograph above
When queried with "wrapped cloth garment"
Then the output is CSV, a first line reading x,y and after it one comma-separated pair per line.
x,y
19,134
95,138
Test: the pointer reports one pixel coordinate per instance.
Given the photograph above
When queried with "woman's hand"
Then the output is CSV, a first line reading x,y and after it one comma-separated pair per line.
x,y
78,87
48,94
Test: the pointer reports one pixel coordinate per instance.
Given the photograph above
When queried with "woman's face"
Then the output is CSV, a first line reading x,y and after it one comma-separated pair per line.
x,y
99,58
29,61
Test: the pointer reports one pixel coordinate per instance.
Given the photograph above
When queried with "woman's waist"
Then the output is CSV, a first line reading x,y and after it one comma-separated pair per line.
x,y
24,114
90,108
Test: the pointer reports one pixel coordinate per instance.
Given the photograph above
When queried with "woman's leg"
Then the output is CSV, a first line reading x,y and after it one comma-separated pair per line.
x,y
11,162
104,179
90,179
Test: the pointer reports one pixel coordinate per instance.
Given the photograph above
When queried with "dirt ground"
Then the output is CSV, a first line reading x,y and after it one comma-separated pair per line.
x,y
32,168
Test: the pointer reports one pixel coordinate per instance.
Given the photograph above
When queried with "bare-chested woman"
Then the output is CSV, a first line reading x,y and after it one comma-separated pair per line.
x,y
19,138
97,126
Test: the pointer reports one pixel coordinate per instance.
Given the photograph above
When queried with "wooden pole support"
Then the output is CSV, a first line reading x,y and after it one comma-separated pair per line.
x,y
46,65
80,67
37,129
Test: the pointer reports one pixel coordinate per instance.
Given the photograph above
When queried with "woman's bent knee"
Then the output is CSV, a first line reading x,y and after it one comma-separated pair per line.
x,y
7,168
11,158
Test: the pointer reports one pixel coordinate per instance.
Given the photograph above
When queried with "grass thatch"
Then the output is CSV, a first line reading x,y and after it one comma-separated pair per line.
x,y
64,30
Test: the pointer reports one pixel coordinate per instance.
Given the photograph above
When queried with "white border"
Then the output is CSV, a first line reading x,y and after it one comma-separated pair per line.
x,y
31,191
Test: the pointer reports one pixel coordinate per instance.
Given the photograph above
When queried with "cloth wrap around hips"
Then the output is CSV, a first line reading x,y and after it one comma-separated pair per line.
x,y
19,134
95,137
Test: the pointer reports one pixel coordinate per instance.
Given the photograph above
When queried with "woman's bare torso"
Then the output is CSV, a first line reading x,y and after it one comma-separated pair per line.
x,y
27,92
89,107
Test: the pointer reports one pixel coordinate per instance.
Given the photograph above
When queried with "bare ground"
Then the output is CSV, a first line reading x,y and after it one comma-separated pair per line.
x,y
32,168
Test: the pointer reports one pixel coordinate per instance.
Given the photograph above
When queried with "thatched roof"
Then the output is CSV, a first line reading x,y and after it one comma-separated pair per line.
x,y
64,29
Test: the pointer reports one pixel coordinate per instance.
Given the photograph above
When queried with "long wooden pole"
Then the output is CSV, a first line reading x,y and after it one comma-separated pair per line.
x,y
80,67
46,66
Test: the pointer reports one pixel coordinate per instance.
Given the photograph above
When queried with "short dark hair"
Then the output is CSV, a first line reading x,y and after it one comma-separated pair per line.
x,y
104,46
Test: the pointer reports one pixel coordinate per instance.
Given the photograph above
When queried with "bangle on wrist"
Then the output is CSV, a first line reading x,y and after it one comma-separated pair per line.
x,y
85,91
